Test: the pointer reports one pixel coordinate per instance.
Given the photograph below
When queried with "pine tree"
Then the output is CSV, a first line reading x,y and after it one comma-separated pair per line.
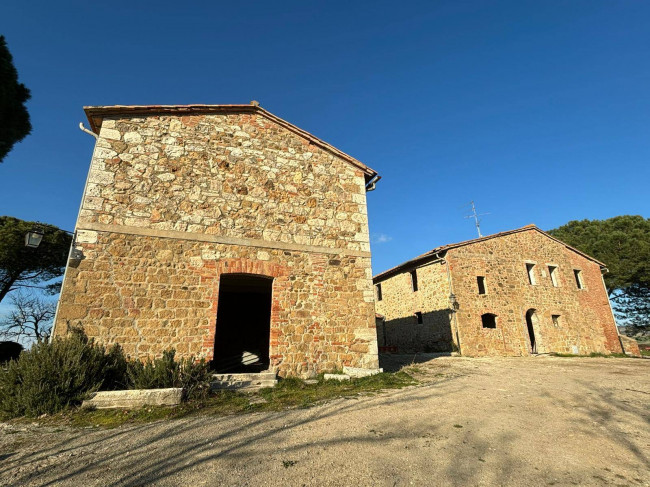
x,y
14,118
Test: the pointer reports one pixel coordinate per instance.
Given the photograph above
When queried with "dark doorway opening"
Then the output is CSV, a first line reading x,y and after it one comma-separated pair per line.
x,y
531,318
241,342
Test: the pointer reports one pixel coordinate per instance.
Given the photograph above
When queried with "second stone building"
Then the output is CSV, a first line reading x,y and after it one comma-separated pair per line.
x,y
519,292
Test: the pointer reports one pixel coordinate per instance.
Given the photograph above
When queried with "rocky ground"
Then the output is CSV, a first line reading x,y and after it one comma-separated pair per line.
x,y
520,421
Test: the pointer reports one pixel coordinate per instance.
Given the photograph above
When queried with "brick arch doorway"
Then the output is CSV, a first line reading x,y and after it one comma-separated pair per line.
x,y
243,325
531,321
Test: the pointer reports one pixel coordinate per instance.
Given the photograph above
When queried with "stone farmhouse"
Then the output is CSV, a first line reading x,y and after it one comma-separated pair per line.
x,y
224,232
519,292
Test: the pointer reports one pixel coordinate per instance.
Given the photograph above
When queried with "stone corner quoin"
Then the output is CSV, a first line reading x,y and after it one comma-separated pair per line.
x,y
176,201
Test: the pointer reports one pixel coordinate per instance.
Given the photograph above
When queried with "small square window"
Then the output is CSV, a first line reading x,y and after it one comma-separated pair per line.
x,y
480,280
489,320
552,271
418,316
379,295
578,275
414,280
556,320
531,273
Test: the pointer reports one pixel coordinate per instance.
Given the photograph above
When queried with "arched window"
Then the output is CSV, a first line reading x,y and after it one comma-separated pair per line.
x,y
489,320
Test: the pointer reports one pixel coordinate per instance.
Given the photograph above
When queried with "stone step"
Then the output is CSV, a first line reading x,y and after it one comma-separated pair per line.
x,y
245,376
243,385
246,382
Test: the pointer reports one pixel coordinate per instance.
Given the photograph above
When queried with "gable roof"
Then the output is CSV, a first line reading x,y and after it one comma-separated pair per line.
x,y
96,115
432,254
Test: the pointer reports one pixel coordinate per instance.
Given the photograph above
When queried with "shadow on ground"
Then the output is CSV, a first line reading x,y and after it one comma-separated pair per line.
x,y
516,422
395,362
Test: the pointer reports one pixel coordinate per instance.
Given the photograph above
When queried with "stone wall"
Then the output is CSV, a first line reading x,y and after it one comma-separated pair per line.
x,y
400,304
585,325
585,321
235,175
174,202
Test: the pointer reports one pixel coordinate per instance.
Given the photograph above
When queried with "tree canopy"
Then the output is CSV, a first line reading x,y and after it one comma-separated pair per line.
x,y
622,243
14,118
21,266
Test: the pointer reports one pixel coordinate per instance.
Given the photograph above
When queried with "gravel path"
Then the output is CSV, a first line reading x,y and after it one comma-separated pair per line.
x,y
521,421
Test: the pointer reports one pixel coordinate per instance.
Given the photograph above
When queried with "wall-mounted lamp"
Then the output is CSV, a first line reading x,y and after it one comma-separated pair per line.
x,y
34,237
76,254
455,306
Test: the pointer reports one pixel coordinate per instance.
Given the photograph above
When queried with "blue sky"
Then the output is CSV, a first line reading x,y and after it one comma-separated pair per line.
x,y
538,111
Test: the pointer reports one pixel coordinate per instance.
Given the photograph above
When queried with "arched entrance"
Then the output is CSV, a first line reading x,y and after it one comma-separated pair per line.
x,y
531,319
241,342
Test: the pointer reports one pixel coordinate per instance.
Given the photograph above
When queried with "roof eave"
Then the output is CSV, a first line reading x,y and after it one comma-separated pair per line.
x,y
410,264
444,248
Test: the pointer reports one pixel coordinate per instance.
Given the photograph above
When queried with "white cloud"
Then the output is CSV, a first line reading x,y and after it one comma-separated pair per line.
x,y
380,238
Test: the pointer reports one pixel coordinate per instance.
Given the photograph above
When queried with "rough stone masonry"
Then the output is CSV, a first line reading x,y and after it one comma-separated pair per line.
x,y
180,196
515,293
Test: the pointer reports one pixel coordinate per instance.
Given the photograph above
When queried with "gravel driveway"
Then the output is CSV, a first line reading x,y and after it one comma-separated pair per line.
x,y
515,421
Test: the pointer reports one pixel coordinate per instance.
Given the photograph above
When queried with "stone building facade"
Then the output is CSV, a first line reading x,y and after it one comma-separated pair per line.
x,y
514,293
222,231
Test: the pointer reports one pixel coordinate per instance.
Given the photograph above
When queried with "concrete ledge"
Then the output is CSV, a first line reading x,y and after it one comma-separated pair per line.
x,y
134,398
358,372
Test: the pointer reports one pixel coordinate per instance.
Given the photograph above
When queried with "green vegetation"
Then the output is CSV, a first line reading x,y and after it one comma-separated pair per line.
x,y
58,375
14,118
592,355
192,376
293,392
288,394
53,376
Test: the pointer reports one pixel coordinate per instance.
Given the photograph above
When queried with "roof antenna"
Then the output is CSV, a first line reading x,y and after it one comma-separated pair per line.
x,y
476,219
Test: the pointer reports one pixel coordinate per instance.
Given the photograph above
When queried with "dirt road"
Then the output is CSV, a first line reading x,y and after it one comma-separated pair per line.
x,y
526,421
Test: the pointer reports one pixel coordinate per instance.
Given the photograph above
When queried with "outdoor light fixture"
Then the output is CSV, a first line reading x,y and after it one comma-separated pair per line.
x,y
76,254
34,238
452,301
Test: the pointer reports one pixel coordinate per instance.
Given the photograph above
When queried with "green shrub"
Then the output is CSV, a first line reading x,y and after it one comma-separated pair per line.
x,y
54,375
193,377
